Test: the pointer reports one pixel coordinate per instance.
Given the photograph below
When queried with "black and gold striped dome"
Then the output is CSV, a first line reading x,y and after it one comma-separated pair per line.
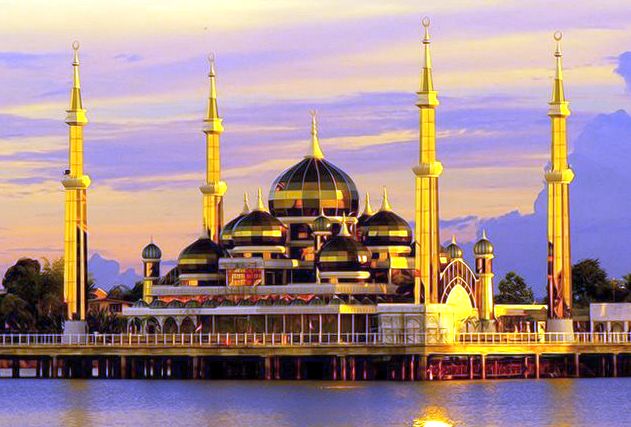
x,y
322,225
259,228
453,249
313,185
226,232
343,253
483,246
151,252
385,228
198,263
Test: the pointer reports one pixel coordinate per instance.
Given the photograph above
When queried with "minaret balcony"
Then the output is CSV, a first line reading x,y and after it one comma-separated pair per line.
x,y
213,126
559,109
76,183
217,188
76,117
428,170
564,176
427,99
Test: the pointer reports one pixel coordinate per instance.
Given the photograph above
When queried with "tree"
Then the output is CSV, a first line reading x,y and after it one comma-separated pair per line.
x,y
105,322
34,299
514,290
590,284
135,293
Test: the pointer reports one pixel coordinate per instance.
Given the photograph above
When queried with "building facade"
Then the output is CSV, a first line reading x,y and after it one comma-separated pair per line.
x,y
308,262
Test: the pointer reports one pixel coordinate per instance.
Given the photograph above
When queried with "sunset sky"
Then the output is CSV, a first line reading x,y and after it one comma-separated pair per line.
x,y
144,82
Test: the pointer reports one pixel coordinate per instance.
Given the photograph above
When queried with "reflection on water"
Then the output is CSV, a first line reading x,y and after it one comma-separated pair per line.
x,y
570,402
434,416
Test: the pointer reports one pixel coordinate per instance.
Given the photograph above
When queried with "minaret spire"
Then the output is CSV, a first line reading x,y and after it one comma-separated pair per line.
x,y
214,188
385,203
246,205
368,210
75,183
559,178
427,239
314,151
260,204
426,88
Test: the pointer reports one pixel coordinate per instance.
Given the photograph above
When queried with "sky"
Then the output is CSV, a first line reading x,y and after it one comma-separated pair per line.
x,y
144,82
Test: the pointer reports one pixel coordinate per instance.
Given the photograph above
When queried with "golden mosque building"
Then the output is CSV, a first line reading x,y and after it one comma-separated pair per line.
x,y
311,262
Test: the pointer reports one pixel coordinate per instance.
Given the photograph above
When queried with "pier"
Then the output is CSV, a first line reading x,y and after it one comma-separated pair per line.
x,y
346,357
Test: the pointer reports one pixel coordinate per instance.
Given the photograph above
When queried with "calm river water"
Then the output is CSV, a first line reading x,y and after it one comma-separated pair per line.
x,y
571,402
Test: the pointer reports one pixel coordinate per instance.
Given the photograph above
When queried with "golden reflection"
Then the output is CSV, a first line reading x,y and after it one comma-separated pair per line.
x,y
434,416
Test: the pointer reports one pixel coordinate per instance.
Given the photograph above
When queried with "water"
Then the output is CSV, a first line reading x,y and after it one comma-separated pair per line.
x,y
562,402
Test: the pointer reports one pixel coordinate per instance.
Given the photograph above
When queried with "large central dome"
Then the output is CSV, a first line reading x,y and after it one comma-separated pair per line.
x,y
313,185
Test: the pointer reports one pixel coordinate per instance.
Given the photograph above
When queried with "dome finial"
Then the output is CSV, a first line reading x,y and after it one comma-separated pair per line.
x,y
484,233
246,205
385,203
260,205
316,151
368,210
453,239
344,229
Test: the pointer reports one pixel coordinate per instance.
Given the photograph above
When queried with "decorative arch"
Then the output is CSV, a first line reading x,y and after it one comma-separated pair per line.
x,y
458,274
188,326
152,326
170,326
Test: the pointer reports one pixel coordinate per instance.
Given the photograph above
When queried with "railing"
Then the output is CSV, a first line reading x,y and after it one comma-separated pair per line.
x,y
218,339
308,339
544,338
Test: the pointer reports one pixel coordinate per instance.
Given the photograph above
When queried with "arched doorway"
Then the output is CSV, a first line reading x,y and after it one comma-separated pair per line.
x,y
188,326
170,326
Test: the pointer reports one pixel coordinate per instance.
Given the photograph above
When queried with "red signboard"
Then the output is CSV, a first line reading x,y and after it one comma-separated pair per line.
x,y
245,277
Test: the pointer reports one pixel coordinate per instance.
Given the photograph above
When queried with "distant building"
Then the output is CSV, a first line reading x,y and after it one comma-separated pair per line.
x,y
110,302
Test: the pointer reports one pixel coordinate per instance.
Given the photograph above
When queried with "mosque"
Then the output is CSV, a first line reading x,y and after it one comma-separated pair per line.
x,y
309,261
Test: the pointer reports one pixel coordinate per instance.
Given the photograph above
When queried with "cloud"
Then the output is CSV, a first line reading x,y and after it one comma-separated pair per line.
x,y
107,273
22,60
624,68
599,207
128,57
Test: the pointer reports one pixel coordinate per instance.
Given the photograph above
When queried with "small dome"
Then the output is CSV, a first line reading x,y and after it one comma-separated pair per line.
x,y
343,253
199,262
453,249
151,252
483,246
385,228
259,228
312,185
226,232
322,225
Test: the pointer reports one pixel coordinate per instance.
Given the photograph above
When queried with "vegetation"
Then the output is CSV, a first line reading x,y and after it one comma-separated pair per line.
x,y
514,290
34,299
590,283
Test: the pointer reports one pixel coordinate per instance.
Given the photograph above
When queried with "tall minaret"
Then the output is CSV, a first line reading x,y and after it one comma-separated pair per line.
x,y
215,188
76,226
427,243
559,178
